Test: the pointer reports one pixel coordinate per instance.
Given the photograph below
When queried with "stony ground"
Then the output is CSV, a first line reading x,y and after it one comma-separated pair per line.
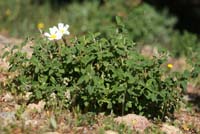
x,y
17,117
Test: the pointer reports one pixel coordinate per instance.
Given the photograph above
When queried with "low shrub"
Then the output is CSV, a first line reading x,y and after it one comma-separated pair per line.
x,y
97,74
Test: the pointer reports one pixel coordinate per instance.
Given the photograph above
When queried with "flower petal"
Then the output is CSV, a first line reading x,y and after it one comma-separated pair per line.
x,y
67,32
67,26
47,34
53,30
59,35
50,38
60,25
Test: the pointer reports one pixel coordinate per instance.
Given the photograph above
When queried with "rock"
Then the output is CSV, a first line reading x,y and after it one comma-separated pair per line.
x,y
193,90
3,64
149,51
32,108
137,122
39,107
27,95
186,118
110,132
4,40
168,129
7,118
31,123
7,97
82,130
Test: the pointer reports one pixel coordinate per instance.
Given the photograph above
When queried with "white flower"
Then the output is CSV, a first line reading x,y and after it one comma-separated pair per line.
x,y
63,29
54,34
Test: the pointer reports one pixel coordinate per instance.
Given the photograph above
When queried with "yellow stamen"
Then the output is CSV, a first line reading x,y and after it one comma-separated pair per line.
x,y
62,30
53,36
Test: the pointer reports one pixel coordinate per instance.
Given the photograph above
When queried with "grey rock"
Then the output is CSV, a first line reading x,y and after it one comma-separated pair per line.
x,y
136,122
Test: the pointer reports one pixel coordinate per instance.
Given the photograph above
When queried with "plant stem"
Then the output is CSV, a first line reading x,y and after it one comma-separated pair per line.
x,y
64,41
58,47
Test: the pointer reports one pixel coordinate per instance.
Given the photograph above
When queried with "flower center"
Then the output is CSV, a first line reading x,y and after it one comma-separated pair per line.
x,y
62,30
53,36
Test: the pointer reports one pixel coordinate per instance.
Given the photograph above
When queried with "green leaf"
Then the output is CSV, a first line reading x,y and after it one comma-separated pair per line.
x,y
24,42
86,104
37,70
83,79
90,90
107,54
184,85
52,79
129,104
51,72
151,84
14,47
42,78
87,59
119,21
109,105
61,71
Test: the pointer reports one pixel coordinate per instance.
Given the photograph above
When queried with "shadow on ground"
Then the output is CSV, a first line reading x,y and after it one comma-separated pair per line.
x,y
195,99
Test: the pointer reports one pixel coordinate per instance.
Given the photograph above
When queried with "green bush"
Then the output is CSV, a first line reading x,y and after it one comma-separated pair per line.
x,y
185,44
142,21
97,74
188,45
